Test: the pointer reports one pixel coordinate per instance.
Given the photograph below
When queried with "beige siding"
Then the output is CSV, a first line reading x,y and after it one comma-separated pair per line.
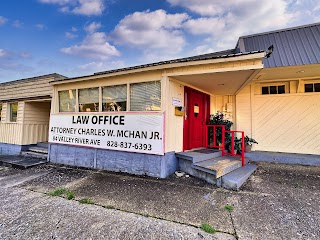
x,y
36,122
174,124
26,89
243,111
32,123
11,133
287,123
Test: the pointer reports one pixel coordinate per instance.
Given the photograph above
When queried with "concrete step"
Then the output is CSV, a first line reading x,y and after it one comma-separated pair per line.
x,y
235,179
199,155
38,150
21,162
219,166
43,144
34,155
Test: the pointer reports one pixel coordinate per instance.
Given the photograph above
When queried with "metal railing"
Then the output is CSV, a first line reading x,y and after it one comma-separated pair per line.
x,y
215,144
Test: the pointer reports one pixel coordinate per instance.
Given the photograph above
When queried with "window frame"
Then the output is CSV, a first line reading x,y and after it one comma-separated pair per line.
x,y
310,82
75,99
100,87
9,106
127,97
275,84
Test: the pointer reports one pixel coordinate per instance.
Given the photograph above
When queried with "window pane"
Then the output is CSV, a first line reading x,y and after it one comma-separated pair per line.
x,y
273,89
265,90
114,98
308,87
89,100
67,101
145,96
317,87
0,111
13,112
281,89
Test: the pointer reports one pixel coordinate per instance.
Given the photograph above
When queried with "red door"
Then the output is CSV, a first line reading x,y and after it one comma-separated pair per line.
x,y
197,105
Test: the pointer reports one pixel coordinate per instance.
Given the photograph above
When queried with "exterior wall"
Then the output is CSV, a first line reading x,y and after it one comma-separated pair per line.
x,y
117,161
36,122
174,124
31,126
11,132
287,123
280,123
29,88
223,104
10,149
244,111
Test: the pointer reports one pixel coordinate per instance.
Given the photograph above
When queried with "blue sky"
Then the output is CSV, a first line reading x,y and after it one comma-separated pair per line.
x,y
80,37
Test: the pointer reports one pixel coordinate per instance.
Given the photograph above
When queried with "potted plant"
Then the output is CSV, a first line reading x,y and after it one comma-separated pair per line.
x,y
248,143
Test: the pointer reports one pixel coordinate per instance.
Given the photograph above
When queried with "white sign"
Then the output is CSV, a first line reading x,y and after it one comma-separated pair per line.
x,y
131,132
176,102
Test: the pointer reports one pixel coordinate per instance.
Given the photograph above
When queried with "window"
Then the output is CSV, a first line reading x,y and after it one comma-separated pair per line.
x,y
114,98
312,87
89,100
279,89
0,111
13,111
145,96
67,101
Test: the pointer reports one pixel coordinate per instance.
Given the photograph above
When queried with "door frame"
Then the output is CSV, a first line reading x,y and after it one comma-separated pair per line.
x,y
186,122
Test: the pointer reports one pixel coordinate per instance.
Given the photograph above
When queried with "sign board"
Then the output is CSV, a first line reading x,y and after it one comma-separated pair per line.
x,y
176,102
131,132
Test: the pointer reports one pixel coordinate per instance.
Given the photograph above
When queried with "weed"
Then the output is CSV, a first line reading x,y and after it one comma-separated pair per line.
x,y
58,192
208,228
86,201
229,208
70,195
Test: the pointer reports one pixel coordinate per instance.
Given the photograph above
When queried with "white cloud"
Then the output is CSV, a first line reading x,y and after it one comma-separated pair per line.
x,y
152,30
40,26
3,20
81,7
70,35
225,21
3,53
94,46
92,27
98,66
17,24
74,29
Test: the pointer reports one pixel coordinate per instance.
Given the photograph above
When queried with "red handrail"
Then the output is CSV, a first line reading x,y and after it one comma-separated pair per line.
x,y
215,145
222,146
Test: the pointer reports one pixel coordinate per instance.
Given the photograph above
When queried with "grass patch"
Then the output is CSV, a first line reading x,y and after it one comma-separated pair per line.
x,y
208,228
86,201
229,208
58,192
70,195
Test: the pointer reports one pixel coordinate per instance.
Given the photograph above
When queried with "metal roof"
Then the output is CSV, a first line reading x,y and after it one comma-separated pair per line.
x,y
292,46
56,76
214,55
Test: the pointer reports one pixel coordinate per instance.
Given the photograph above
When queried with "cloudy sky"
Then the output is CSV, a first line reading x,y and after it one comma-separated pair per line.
x,y
79,37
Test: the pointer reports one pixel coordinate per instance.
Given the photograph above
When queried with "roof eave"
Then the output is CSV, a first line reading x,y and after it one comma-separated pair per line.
x,y
145,68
